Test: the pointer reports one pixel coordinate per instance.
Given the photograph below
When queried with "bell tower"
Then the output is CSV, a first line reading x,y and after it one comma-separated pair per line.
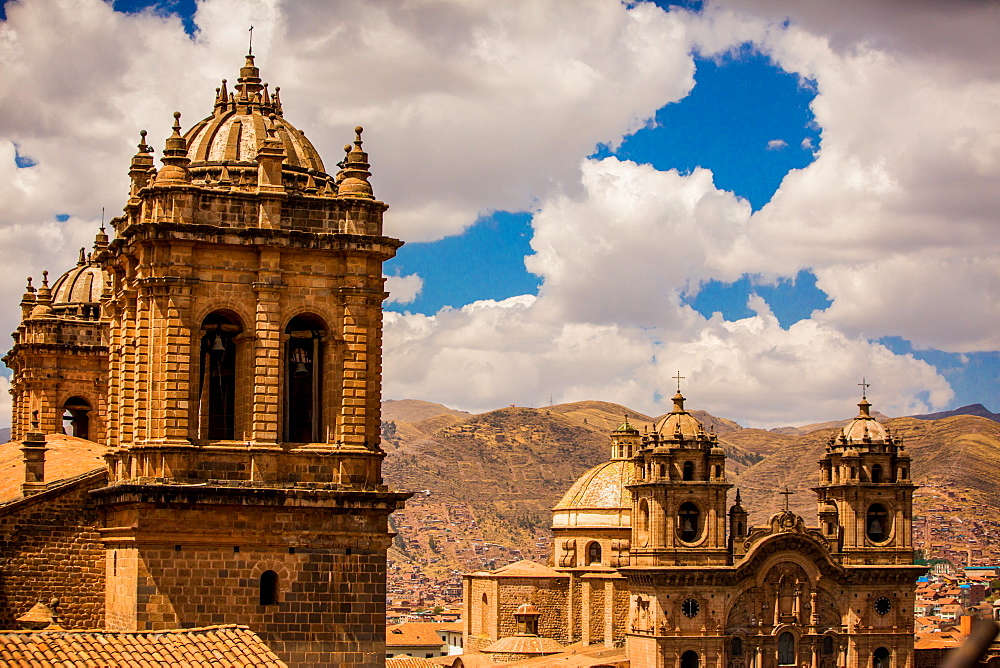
x,y
243,304
679,494
865,495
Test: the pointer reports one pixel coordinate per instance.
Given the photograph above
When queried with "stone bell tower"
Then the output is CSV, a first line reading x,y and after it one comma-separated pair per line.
x,y
865,495
243,304
679,495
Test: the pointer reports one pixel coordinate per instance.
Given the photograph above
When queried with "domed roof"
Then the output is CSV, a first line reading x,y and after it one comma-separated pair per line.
x,y
238,127
524,644
680,421
864,428
83,284
602,487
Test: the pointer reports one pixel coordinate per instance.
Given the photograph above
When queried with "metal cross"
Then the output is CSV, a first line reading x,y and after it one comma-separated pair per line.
x,y
679,378
864,388
250,51
786,494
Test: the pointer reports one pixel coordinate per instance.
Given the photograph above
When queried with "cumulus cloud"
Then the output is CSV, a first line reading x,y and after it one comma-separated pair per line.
x,y
403,289
608,321
477,107
897,214
777,144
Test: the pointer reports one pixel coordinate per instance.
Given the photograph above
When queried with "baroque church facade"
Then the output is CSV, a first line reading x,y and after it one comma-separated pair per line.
x,y
649,562
222,353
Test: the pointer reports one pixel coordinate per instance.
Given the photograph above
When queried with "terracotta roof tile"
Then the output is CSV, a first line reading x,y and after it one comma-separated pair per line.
x,y
66,457
232,645
413,634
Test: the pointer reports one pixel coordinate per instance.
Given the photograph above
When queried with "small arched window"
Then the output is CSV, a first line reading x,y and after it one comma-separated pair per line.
x,y
75,416
688,470
828,646
718,471
689,659
642,523
688,517
739,528
902,473
217,396
594,553
786,649
877,523
880,658
736,647
303,379
663,471
268,588
877,473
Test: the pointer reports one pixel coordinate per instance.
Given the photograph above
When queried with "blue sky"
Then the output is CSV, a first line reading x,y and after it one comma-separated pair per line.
x,y
713,187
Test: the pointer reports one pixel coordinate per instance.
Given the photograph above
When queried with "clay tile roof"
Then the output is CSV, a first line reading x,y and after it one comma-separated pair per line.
x,y
413,634
524,645
404,661
66,457
231,645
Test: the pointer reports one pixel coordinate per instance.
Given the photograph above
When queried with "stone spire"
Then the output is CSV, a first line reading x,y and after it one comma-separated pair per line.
x,y
142,162
355,182
43,300
27,300
248,84
175,158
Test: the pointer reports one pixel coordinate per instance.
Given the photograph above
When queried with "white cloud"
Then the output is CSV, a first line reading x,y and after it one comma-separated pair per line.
x,y
776,144
403,289
491,106
608,321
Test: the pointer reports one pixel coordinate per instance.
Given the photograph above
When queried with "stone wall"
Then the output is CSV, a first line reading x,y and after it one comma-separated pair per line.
x,y
50,548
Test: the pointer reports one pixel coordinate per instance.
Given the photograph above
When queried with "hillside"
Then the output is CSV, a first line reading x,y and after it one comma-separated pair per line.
x,y
487,482
971,409
960,453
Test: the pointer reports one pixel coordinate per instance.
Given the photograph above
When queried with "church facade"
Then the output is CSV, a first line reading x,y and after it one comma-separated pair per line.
x,y
225,349
649,559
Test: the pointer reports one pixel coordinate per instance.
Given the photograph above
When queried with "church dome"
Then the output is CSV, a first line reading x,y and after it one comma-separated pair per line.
x,y
680,421
864,428
83,284
238,127
601,488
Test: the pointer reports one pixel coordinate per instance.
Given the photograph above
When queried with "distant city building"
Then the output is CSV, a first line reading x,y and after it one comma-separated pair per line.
x,y
648,559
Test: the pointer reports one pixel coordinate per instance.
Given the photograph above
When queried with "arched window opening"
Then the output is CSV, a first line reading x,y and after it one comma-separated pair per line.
x,y
688,517
853,473
303,379
484,615
688,470
786,649
877,523
75,419
877,473
268,588
718,471
739,528
217,398
689,659
663,471
880,658
902,473
593,553
642,523
828,646
736,647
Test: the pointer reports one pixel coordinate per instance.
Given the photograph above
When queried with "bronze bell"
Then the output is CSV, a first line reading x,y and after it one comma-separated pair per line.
x,y
686,525
218,346
300,370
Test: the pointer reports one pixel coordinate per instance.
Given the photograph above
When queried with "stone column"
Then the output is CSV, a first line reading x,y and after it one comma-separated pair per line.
x,y
265,427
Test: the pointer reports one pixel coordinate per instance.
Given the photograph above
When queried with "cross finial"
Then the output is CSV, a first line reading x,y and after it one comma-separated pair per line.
x,y
250,50
864,388
678,378
786,494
